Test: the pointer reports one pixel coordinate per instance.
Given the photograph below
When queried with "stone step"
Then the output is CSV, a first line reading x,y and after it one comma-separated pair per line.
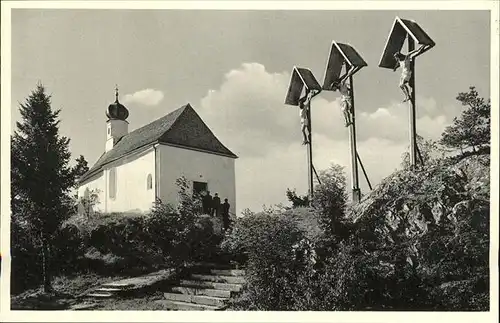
x,y
121,286
196,299
100,295
204,291
208,284
108,290
211,265
228,272
219,279
83,306
175,305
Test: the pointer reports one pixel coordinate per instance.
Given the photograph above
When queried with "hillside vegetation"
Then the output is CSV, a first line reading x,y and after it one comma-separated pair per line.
x,y
418,241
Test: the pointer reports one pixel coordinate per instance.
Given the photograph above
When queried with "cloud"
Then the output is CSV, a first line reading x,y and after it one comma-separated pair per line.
x,y
248,115
148,97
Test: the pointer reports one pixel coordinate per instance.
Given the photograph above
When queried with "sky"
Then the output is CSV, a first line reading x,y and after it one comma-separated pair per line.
x,y
234,67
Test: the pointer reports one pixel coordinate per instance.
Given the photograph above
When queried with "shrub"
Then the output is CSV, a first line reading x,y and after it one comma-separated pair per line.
x,y
275,248
129,243
330,200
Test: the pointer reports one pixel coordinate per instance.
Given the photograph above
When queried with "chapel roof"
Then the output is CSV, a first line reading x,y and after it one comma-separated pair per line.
x,y
183,128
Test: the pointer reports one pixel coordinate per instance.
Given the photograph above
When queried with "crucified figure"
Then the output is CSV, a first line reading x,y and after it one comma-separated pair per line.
x,y
345,92
404,61
305,105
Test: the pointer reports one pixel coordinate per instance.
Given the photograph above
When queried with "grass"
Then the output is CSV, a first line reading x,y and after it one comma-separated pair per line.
x,y
66,289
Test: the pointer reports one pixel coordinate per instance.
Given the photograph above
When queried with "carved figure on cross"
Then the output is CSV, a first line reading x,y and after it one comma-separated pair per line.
x,y
304,106
346,95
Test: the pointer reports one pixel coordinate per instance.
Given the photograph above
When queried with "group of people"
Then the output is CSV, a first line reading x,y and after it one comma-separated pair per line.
x,y
346,94
213,207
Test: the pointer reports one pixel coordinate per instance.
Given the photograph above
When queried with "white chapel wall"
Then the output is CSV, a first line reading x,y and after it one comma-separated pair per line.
x,y
132,193
218,171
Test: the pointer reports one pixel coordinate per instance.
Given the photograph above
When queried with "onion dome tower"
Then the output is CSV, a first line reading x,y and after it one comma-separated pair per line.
x,y
116,110
116,125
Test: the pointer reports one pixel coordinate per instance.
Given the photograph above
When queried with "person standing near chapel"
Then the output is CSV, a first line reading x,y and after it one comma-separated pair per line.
x,y
225,214
207,203
216,205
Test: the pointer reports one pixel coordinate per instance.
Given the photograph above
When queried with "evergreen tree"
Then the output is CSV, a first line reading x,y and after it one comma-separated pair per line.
x,y
81,167
40,177
472,128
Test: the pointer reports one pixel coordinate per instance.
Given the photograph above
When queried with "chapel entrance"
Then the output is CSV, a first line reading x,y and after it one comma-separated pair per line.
x,y
199,188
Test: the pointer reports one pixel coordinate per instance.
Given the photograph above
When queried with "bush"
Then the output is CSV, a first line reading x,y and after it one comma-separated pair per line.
x,y
132,243
276,249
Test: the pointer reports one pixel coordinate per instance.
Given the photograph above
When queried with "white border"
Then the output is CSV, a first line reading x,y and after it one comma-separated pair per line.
x,y
160,316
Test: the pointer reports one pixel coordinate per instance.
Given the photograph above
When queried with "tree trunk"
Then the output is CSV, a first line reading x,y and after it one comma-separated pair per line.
x,y
47,286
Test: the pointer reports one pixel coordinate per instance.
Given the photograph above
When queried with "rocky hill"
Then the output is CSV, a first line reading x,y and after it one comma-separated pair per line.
x,y
434,222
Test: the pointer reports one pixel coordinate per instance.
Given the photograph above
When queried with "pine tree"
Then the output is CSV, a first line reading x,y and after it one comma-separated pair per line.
x,y
472,128
40,174
81,167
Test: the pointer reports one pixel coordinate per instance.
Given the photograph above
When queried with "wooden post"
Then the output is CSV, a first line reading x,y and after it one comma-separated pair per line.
x,y
413,121
309,156
356,193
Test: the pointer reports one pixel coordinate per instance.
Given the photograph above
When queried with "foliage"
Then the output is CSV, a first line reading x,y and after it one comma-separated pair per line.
x,y
25,257
297,201
277,253
431,226
330,200
429,152
40,179
88,202
131,243
419,241
80,168
472,128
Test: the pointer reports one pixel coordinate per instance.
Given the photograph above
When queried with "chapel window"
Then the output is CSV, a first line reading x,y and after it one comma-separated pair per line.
x,y
149,182
112,183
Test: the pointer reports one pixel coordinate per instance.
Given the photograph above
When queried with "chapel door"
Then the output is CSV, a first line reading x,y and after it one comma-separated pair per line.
x,y
199,188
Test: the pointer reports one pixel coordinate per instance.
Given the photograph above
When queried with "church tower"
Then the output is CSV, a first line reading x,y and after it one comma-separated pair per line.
x,y
116,125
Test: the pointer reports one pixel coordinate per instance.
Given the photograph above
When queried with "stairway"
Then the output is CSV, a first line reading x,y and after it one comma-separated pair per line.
x,y
205,288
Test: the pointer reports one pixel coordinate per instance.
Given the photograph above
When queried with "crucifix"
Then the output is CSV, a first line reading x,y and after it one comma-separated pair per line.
x,y
344,57
303,81
392,58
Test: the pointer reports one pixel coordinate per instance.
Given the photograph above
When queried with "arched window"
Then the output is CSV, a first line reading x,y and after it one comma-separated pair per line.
x,y
112,183
149,182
